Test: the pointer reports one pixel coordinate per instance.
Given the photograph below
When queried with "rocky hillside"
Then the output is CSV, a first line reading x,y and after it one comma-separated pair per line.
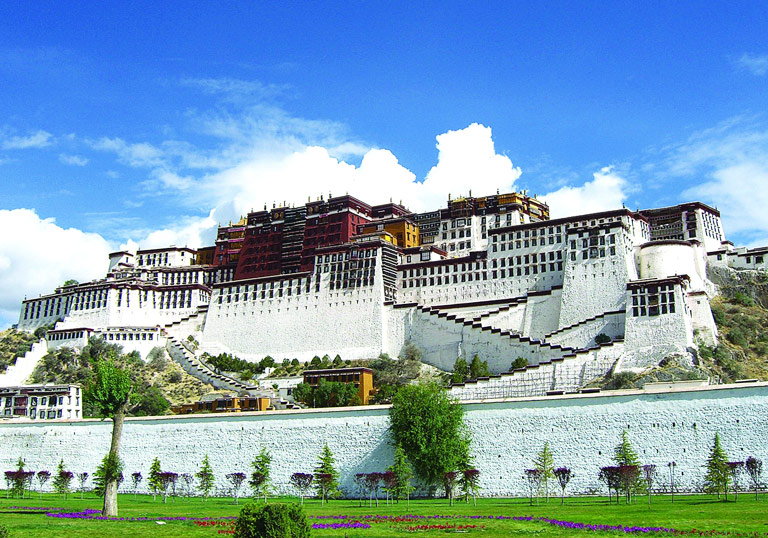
x,y
14,344
741,315
158,383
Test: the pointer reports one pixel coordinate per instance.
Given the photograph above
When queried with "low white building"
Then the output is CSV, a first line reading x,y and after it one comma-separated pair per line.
x,y
41,402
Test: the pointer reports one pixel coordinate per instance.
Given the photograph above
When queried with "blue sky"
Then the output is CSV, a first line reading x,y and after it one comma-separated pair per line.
x,y
146,124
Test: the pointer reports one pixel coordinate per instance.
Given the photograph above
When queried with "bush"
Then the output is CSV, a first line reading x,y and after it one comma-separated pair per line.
x,y
4,532
602,338
272,521
741,299
520,362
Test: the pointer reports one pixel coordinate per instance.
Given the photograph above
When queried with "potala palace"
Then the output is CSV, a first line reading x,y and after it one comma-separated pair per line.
x,y
491,276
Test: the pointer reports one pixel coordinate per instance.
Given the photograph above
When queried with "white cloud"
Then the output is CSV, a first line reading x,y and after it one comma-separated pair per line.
x,y
39,139
136,155
756,64
74,160
41,255
727,167
606,191
466,160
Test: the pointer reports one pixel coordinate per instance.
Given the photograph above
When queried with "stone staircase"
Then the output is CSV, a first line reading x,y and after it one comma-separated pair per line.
x,y
17,373
196,368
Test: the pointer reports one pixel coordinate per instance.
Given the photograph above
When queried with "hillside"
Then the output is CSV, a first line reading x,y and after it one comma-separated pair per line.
x,y
158,383
14,344
742,353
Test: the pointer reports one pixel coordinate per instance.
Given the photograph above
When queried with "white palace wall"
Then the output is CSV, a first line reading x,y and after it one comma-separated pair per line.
x,y
582,431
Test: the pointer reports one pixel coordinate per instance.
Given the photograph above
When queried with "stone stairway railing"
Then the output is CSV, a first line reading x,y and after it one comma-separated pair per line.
x,y
196,368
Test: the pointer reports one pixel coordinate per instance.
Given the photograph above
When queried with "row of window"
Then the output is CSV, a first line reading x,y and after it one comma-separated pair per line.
x,y
653,300
130,336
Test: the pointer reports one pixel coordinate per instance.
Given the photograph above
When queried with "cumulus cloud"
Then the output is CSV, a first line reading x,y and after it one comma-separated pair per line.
x,y
40,255
606,191
757,64
467,159
74,160
39,139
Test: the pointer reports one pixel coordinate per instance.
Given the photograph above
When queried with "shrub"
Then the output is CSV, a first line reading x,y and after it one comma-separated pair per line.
x,y
520,362
175,377
602,338
272,521
4,532
742,299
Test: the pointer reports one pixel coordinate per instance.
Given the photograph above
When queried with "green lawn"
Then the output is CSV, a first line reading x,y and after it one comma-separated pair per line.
x,y
686,513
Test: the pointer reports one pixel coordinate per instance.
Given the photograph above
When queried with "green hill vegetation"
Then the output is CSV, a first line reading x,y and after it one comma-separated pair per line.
x,y
14,344
158,383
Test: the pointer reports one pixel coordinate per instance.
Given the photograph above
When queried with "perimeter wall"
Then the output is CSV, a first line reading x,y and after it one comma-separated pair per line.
x,y
582,431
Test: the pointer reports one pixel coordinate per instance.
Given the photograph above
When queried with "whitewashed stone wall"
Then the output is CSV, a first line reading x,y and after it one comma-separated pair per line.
x,y
582,431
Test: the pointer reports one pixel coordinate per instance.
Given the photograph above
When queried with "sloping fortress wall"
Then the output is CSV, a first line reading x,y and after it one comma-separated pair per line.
x,y
669,425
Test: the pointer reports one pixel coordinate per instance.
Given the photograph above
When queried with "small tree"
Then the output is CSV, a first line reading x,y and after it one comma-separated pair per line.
x,y
718,476
629,475
754,468
188,481
478,368
460,370
260,476
625,456
206,477
544,462
360,483
610,475
563,475
372,482
403,474
42,478
302,482
388,484
62,480
155,481
236,479
82,478
449,484
533,477
17,479
671,466
168,484
649,471
735,468
326,465
110,466
136,479
469,484
324,483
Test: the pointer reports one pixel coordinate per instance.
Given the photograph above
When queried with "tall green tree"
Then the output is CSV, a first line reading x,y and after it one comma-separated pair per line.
x,y
62,479
478,368
430,428
545,464
260,476
460,370
624,454
628,466
155,482
110,392
403,473
206,478
718,476
326,464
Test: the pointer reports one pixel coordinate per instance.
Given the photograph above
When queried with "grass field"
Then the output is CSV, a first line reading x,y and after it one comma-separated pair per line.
x,y
704,513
